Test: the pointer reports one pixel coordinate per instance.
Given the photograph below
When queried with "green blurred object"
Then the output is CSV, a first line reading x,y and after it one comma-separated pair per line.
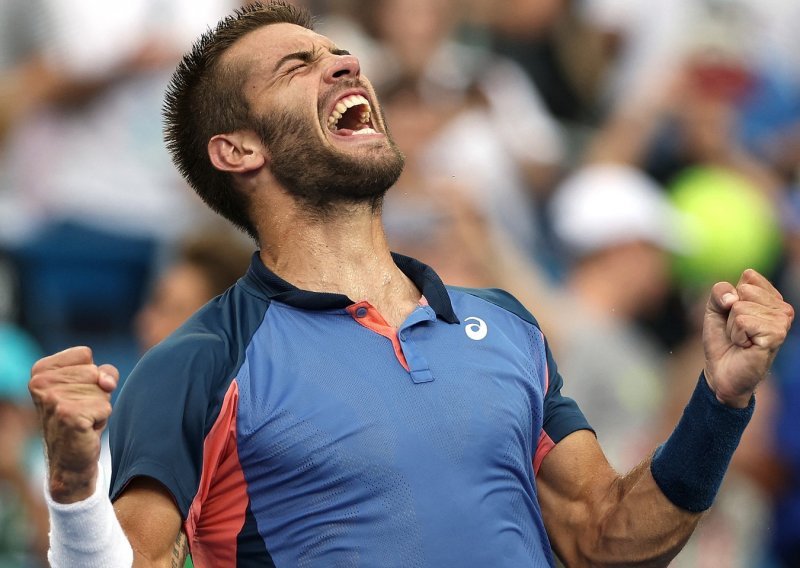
x,y
731,226
188,562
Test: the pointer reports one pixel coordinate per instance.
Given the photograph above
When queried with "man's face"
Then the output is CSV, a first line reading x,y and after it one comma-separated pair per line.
x,y
318,117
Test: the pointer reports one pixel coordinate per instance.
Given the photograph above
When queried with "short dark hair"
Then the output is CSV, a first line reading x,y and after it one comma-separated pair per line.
x,y
205,97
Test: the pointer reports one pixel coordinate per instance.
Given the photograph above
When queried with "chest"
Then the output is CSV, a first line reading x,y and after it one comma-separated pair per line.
x,y
450,394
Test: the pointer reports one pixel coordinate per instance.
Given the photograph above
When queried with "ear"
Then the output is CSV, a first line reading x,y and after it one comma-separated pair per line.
x,y
237,152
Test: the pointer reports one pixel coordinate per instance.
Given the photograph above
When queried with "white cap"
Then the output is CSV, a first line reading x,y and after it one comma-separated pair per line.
x,y
610,204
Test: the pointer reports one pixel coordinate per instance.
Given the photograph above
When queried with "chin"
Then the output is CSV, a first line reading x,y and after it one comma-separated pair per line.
x,y
330,167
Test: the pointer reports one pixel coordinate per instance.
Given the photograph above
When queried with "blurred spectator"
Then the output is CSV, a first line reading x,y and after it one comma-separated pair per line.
x,y
87,190
618,226
91,152
551,40
23,515
20,69
680,120
205,265
677,121
740,50
785,533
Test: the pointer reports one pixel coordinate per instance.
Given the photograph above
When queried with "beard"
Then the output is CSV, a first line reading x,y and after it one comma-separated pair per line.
x,y
322,177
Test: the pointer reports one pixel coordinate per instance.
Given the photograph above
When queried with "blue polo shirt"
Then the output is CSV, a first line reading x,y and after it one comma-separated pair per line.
x,y
299,429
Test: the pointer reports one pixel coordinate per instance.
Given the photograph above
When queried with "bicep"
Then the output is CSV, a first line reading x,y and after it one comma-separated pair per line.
x,y
153,524
573,484
595,516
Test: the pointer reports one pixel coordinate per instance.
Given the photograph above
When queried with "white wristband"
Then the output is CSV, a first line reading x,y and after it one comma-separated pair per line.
x,y
87,534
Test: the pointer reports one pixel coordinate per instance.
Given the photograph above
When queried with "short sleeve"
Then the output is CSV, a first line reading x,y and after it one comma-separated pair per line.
x,y
165,410
562,416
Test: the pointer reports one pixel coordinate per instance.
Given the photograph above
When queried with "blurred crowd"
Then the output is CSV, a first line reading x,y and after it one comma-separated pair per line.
x,y
606,161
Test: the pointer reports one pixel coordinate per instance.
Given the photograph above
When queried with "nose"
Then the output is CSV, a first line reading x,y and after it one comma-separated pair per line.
x,y
343,67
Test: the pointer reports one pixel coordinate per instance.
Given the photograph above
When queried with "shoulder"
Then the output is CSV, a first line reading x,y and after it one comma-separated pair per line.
x,y
207,349
499,298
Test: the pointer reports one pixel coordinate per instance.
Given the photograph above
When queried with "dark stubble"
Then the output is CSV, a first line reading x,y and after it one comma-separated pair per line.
x,y
322,177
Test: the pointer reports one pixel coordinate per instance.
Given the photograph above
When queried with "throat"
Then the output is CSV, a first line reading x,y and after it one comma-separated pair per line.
x,y
360,274
343,252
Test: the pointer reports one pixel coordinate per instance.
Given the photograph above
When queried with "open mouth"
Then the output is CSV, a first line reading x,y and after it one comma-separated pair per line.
x,y
352,116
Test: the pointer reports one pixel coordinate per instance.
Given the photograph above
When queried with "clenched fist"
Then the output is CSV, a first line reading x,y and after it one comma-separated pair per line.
x,y
744,327
73,398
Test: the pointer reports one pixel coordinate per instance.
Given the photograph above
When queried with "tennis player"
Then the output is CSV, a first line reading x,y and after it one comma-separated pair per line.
x,y
340,406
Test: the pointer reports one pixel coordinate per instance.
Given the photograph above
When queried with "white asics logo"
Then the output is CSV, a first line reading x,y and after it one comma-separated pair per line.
x,y
476,331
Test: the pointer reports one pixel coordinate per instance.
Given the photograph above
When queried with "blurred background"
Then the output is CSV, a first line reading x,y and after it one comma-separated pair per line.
x,y
606,161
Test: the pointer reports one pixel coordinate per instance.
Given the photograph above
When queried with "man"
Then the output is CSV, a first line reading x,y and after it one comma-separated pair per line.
x,y
286,424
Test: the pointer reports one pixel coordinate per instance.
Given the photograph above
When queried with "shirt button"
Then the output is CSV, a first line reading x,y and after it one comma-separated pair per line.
x,y
361,312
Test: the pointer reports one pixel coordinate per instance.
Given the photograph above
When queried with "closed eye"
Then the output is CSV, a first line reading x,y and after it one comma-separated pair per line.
x,y
303,57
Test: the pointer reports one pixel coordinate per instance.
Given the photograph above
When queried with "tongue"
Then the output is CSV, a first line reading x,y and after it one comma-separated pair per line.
x,y
344,132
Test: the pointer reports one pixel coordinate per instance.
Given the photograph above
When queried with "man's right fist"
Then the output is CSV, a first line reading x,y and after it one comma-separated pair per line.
x,y
73,398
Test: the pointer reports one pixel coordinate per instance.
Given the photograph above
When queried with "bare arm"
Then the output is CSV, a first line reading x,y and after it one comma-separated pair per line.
x,y
152,523
595,517
72,396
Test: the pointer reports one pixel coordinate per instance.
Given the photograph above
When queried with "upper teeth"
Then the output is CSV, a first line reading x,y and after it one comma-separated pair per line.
x,y
346,103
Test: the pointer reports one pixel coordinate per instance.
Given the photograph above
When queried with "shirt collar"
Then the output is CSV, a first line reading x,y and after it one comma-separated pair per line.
x,y
265,283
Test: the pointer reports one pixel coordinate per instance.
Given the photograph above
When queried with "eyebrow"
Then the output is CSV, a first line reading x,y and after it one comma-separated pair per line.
x,y
306,56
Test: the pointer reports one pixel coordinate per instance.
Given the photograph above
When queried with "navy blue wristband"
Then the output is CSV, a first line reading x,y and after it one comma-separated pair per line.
x,y
690,465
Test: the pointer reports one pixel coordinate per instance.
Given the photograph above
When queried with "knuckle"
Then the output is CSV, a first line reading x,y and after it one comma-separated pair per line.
x,y
40,394
38,366
63,412
36,384
45,400
84,352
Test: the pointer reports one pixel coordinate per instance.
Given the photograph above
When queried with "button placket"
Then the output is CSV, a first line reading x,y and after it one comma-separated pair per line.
x,y
418,366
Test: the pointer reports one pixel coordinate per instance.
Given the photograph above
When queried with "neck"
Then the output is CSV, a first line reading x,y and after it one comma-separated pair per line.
x,y
343,252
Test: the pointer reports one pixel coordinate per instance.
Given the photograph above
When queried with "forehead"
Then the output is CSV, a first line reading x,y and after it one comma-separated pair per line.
x,y
262,48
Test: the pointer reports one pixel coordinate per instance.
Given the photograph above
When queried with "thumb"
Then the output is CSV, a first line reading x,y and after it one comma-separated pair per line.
x,y
109,377
723,296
